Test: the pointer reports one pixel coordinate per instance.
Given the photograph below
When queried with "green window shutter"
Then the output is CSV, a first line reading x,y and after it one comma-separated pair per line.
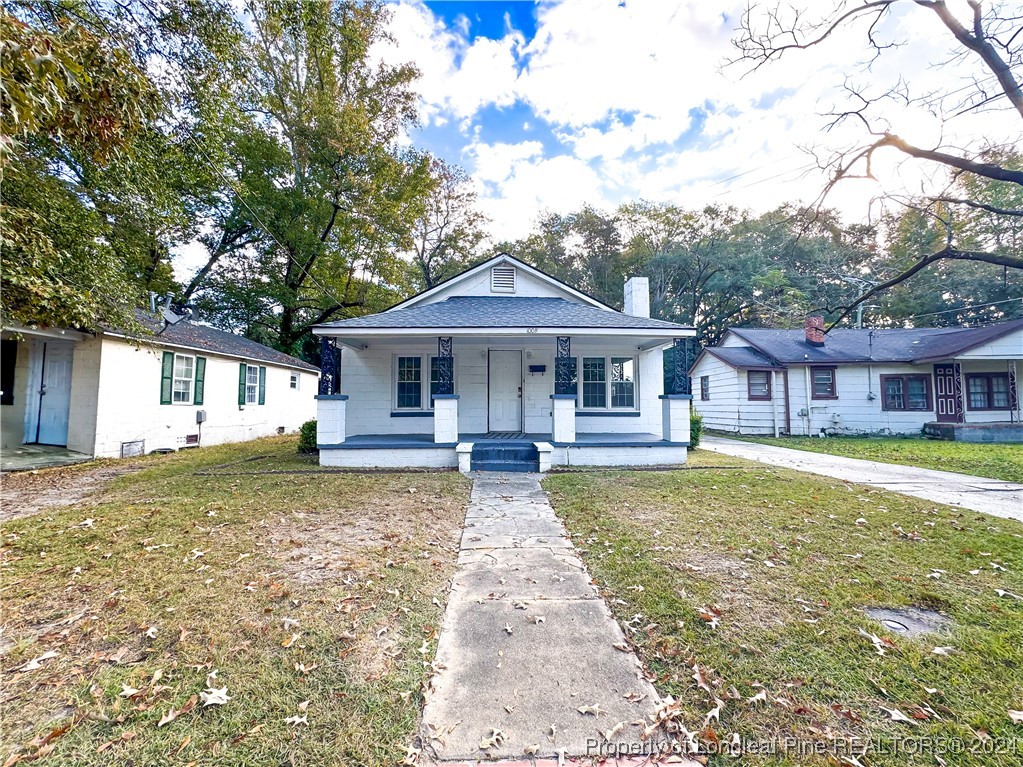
x,y
262,385
200,380
167,379
241,385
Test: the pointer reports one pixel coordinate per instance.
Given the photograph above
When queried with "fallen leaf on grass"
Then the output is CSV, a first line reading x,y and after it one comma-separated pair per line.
x,y
943,651
848,713
1008,594
296,720
1016,716
881,645
173,714
35,663
124,736
760,697
896,715
289,641
127,691
214,696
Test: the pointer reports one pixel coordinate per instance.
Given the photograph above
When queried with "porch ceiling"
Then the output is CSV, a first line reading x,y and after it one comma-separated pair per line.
x,y
525,337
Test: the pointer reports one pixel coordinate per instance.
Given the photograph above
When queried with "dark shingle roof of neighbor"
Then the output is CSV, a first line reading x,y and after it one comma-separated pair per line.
x,y
195,336
742,357
844,345
502,312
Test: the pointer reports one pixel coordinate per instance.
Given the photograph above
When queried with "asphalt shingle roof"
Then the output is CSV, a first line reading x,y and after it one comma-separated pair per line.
x,y
502,312
844,345
742,356
195,336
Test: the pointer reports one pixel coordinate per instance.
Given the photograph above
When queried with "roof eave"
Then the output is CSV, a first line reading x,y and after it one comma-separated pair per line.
x,y
679,331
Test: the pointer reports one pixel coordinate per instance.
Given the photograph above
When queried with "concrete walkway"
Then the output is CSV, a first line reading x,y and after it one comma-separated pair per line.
x,y
527,641
991,496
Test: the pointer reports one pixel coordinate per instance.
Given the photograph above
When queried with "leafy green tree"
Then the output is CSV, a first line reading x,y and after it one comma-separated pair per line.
x,y
317,198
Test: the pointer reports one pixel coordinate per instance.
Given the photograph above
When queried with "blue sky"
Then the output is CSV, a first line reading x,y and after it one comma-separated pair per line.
x,y
550,105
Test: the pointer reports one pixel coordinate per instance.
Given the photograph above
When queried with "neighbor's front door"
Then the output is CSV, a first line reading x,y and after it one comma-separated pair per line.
x,y
505,391
946,403
54,384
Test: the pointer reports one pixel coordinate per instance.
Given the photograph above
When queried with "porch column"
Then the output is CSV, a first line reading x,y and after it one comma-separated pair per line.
x,y
676,403
331,405
563,399
445,401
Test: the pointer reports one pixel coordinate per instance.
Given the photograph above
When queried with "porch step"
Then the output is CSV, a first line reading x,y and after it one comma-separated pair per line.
x,y
504,456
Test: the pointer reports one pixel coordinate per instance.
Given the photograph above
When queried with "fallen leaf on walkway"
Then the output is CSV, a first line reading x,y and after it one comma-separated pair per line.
x,y
508,628
520,605
614,731
536,619
493,740
552,734
532,750
634,697
622,647
594,710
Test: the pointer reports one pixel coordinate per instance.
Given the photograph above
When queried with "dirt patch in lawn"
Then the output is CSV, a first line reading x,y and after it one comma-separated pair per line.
x,y
28,492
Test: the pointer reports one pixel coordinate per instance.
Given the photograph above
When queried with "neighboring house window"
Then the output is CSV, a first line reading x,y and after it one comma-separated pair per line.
x,y
822,382
906,392
594,382
183,379
410,382
606,383
758,384
8,361
705,387
988,391
294,381
251,385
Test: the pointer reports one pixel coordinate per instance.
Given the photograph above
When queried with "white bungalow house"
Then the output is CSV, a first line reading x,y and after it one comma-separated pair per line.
x,y
954,383
503,367
108,395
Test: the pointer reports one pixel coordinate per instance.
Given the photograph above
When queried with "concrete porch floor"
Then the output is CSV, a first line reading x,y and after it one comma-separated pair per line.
x,y
594,439
29,457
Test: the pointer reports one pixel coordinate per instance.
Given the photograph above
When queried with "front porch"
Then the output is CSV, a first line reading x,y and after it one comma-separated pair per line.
x,y
980,433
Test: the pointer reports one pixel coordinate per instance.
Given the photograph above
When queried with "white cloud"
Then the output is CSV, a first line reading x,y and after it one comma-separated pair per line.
x,y
619,85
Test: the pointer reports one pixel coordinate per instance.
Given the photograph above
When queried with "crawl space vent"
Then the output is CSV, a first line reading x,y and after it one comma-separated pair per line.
x,y
502,279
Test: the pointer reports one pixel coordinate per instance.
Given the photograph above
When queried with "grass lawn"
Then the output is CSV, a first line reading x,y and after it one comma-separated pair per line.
x,y
313,598
743,589
995,461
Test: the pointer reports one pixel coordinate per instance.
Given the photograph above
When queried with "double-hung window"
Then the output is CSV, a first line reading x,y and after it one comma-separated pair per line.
x,y
987,391
823,384
295,380
251,385
758,384
705,387
182,379
906,392
606,383
414,390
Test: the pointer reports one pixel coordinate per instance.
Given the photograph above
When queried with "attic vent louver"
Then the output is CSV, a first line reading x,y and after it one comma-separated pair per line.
x,y
502,279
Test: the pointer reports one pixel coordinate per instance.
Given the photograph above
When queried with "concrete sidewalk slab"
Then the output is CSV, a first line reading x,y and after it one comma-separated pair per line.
x,y
526,642
990,496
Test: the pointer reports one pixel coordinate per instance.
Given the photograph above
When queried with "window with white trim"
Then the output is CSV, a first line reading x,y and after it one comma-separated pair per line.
x,y
412,389
184,375
251,384
606,383
294,381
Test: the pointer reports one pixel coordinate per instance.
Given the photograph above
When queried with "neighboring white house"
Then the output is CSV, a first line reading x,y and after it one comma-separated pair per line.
x,y
958,382
502,367
107,395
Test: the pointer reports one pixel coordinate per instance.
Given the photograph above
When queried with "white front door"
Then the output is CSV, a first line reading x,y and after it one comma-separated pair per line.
x,y
505,412
54,392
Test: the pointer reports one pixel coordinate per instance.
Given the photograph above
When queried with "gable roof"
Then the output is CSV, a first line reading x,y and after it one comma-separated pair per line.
x,y
851,345
500,258
502,312
742,357
185,334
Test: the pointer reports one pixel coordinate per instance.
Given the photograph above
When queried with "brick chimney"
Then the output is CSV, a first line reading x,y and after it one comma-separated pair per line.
x,y
637,296
814,329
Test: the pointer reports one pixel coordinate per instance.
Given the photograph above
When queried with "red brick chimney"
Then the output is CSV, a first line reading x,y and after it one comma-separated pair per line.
x,y
814,329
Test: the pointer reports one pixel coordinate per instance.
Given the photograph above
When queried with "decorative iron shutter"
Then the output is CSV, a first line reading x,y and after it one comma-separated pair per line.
x,y
262,385
167,379
241,384
502,279
200,380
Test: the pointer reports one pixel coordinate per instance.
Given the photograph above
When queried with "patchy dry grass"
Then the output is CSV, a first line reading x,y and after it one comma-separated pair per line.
x,y
755,579
995,461
308,594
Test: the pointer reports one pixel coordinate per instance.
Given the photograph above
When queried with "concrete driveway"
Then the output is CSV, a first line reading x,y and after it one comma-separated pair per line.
x,y
991,496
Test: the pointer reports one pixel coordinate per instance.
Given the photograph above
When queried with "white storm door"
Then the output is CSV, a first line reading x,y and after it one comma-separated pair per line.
x,y
505,391
55,393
